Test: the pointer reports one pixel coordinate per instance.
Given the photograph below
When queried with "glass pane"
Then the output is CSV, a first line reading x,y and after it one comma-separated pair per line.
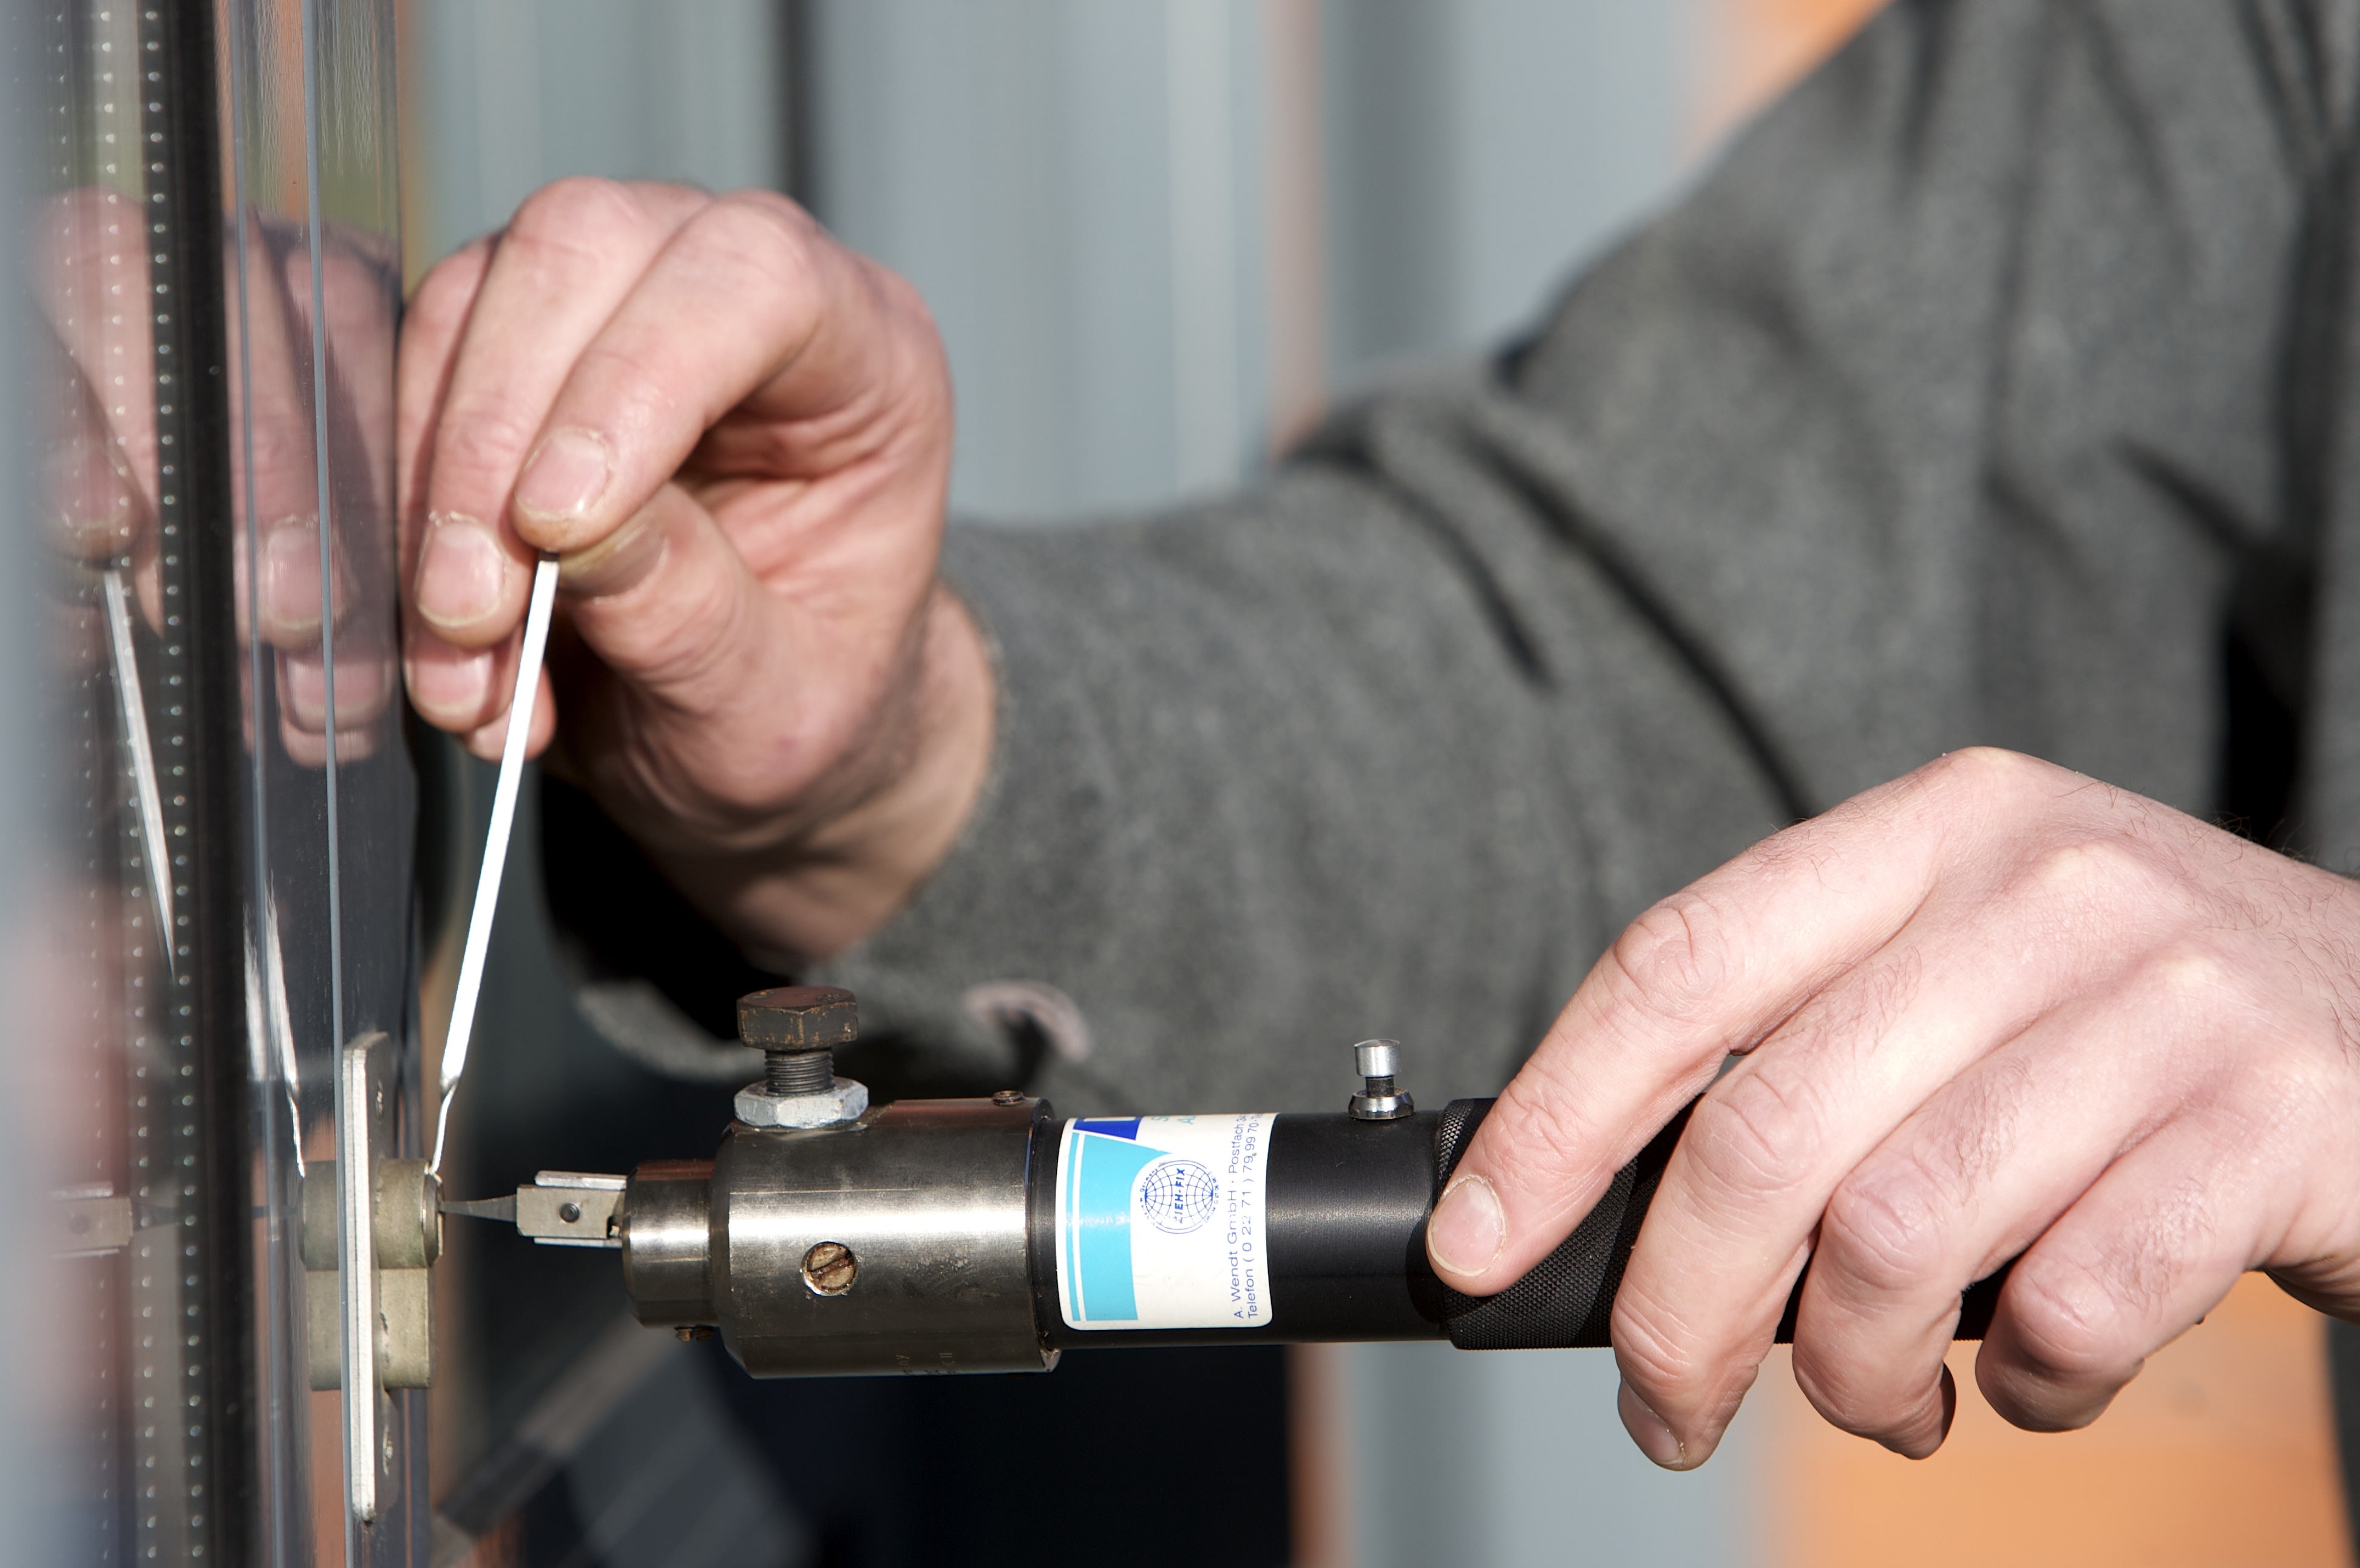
x,y
313,291
224,806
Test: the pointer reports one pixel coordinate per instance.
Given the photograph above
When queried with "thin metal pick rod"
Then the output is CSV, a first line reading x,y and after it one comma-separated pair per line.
x,y
143,763
495,844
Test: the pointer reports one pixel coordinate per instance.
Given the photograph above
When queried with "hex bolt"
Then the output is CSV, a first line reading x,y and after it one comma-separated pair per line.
x,y
797,1029
1380,1099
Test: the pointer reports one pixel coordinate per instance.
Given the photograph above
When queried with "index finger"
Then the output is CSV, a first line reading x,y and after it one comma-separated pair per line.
x,y
495,333
750,303
1704,975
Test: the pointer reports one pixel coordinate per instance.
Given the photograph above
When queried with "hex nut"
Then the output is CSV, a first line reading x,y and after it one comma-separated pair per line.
x,y
757,1107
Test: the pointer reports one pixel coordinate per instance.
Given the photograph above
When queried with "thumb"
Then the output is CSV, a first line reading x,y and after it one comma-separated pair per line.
x,y
711,694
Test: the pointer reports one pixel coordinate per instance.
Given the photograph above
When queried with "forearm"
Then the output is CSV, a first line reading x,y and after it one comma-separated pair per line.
x,y
1275,773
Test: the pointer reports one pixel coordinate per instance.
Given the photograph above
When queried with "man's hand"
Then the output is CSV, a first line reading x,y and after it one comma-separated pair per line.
x,y
101,479
1994,1008
737,436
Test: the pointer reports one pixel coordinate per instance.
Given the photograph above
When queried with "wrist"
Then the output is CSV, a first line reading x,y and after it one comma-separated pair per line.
x,y
841,881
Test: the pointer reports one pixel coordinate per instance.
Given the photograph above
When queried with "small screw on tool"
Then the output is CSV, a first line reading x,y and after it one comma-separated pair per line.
x,y
1380,1099
1009,1098
830,1268
692,1331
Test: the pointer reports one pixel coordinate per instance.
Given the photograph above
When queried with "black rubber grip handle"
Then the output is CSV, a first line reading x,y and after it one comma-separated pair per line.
x,y
1567,1300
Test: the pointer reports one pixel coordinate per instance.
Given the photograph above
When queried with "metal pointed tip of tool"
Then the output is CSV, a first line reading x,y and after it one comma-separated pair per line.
x,y
501,1209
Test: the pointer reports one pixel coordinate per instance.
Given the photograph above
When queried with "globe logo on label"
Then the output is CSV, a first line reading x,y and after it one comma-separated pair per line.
x,y
1178,1196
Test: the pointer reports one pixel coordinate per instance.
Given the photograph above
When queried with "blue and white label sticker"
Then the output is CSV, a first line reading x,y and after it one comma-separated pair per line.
x,y
1160,1222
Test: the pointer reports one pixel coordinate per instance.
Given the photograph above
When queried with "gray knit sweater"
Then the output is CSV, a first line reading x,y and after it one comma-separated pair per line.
x,y
1992,390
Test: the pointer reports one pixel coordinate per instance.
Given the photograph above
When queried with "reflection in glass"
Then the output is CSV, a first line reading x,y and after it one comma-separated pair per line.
x,y
226,797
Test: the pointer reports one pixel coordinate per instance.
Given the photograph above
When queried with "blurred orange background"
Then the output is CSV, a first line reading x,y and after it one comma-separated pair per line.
x,y
2221,1453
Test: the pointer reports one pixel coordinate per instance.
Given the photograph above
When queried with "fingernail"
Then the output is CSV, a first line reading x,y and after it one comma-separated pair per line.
x,y
1649,1430
486,742
89,498
461,570
452,688
622,560
565,476
1467,1230
290,578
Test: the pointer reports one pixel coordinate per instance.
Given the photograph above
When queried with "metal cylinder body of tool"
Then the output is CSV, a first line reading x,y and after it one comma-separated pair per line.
x,y
963,1235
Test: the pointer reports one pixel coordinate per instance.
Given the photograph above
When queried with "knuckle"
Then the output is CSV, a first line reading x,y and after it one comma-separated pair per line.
x,y
783,212
1540,1122
2284,1084
2192,977
479,445
1675,961
2063,1327
1883,1226
2095,872
442,297
619,381
1992,775
1838,1388
761,232
579,214
1753,1134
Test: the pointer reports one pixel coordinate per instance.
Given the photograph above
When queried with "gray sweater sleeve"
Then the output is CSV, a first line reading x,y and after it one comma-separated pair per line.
x,y
1964,402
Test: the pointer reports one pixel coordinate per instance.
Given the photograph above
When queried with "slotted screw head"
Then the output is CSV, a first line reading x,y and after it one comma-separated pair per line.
x,y
830,1269
798,1018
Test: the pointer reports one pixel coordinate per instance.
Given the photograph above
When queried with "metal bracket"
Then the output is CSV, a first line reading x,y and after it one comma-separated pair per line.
x,y
562,1208
571,1208
92,1221
372,1228
408,1236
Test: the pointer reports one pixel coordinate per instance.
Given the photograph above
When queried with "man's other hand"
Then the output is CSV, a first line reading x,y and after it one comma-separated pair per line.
x,y
736,435
1994,1008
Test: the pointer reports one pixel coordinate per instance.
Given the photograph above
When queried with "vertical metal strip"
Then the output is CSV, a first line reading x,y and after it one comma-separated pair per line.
x,y
360,1357
284,1499
192,1086
357,1271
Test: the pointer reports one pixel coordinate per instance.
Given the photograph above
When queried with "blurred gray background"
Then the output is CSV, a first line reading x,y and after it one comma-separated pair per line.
x,y
1159,236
